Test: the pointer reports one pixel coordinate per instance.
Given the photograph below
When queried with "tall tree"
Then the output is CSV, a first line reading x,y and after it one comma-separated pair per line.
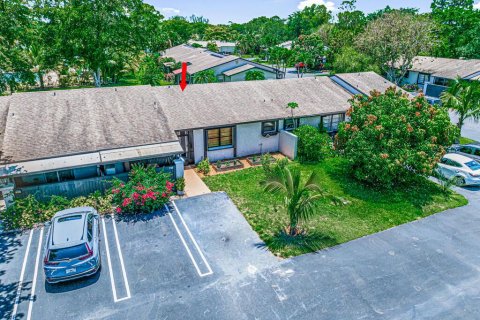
x,y
310,50
307,20
103,34
394,40
455,19
463,97
16,32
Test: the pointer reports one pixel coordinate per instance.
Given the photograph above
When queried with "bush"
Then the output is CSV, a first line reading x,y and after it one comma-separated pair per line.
x,y
272,168
253,75
391,138
146,190
27,212
180,184
313,146
204,166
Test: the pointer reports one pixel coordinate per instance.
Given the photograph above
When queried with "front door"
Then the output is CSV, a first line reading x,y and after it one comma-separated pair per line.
x,y
186,141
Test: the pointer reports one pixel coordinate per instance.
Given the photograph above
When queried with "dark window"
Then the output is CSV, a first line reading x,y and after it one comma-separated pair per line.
x,y
290,124
466,150
68,253
422,78
220,138
51,177
269,127
451,163
66,175
331,122
441,82
90,227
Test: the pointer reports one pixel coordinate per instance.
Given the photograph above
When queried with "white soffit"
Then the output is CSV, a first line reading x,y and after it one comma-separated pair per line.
x,y
163,149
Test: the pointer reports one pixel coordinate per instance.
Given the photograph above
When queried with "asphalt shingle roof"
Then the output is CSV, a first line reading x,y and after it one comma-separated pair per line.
x,y
366,82
216,104
234,71
446,68
200,59
50,124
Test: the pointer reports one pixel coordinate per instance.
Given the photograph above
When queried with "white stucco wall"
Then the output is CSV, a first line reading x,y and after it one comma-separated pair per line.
x,y
227,66
198,145
288,144
221,154
249,138
411,79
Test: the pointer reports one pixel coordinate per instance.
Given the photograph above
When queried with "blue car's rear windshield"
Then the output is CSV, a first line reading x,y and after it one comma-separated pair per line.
x,y
474,165
68,253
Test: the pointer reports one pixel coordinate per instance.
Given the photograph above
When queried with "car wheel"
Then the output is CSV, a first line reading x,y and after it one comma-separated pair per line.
x,y
459,181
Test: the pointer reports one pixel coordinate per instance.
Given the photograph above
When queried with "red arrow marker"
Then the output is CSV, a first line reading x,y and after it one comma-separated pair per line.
x,y
183,83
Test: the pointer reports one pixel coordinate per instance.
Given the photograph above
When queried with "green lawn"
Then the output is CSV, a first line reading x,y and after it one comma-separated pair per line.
x,y
464,140
366,211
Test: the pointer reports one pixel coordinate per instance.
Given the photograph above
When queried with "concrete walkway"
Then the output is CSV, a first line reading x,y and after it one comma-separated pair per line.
x,y
194,186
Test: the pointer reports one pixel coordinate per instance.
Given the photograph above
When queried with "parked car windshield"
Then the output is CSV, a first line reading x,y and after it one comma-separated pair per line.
x,y
68,253
474,165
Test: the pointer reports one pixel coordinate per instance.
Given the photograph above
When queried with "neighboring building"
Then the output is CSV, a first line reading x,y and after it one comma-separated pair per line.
x,y
224,47
287,45
433,75
363,82
226,68
69,142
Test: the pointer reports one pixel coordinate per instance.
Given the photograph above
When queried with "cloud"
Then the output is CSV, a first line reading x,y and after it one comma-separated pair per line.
x,y
169,11
477,5
307,3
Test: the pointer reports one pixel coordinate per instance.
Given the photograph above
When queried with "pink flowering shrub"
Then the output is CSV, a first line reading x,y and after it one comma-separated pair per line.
x,y
145,191
392,138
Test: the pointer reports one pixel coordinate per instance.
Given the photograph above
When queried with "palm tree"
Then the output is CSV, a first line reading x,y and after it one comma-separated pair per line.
x,y
300,199
292,106
463,97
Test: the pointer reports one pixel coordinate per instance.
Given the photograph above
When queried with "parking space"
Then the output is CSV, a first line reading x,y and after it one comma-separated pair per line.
x,y
144,258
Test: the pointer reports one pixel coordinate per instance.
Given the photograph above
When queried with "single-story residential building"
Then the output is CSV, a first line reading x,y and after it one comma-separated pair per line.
x,y
224,47
433,75
286,45
71,141
225,67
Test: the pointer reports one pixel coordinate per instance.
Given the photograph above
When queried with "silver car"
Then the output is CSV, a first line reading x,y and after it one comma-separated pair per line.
x,y
462,170
72,245
468,150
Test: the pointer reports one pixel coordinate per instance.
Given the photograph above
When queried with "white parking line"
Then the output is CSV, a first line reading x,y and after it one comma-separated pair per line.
x,y
22,274
127,287
35,274
210,271
112,280
109,261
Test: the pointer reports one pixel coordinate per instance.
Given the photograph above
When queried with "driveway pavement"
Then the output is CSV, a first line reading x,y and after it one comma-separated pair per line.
x,y
470,129
201,260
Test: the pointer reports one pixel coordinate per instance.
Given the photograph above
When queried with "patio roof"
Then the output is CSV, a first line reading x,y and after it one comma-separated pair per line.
x,y
237,70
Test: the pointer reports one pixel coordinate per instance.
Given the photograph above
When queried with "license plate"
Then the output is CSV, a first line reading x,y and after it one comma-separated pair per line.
x,y
71,270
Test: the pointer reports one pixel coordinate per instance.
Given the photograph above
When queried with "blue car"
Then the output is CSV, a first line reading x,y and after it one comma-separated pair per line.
x,y
72,245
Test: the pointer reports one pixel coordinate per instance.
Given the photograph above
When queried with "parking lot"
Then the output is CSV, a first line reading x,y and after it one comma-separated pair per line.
x,y
150,264
201,260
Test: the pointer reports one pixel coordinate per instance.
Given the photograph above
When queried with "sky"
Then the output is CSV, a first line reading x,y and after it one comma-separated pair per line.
x,y
223,11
